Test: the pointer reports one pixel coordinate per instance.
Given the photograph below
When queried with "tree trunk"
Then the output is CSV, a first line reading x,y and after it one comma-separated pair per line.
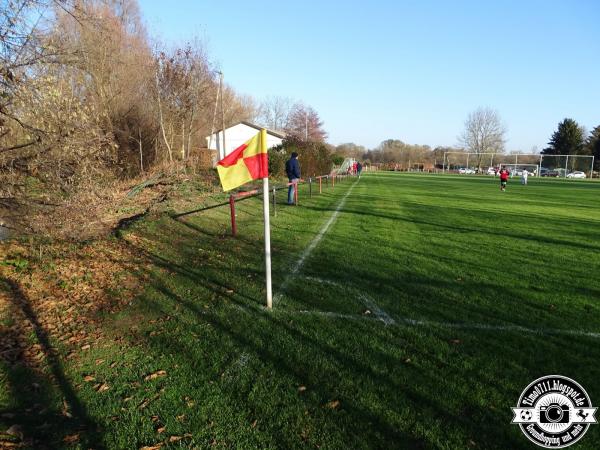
x,y
189,145
183,139
141,152
161,120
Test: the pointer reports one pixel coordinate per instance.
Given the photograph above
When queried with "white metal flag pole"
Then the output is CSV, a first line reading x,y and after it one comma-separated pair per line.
x,y
267,242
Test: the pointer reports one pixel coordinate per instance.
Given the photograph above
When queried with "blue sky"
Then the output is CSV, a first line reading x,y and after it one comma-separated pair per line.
x,y
409,70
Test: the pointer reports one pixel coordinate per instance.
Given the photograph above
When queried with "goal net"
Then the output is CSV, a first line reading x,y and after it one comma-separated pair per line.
x,y
536,163
562,165
517,169
345,167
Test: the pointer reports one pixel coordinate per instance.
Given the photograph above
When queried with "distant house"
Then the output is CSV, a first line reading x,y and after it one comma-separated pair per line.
x,y
236,135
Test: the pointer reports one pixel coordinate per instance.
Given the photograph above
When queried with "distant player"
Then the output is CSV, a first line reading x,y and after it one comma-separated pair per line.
x,y
524,175
504,173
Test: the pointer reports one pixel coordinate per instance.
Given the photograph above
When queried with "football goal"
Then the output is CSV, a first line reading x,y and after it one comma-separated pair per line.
x,y
536,163
517,169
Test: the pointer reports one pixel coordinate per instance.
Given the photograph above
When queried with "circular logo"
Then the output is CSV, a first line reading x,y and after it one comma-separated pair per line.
x,y
554,412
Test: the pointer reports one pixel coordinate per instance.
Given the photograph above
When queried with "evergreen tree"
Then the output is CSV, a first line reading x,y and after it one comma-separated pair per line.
x,y
593,146
567,140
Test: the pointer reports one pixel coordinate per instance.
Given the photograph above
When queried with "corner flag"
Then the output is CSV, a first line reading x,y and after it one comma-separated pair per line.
x,y
246,163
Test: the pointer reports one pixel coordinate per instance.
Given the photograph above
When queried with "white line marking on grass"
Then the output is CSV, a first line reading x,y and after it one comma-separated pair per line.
x,y
331,314
384,317
312,245
378,313
511,328
463,326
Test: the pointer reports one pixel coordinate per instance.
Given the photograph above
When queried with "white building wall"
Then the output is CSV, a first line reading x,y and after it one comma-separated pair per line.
x,y
234,137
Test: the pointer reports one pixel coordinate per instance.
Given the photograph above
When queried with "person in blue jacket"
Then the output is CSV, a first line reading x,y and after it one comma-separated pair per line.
x,y
292,169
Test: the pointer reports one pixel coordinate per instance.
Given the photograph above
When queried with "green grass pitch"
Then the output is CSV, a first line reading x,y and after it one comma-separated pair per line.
x,y
412,319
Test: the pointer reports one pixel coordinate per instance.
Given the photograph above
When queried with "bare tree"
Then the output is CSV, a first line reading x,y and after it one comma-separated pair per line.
x,y
238,107
274,111
351,150
304,123
484,133
86,100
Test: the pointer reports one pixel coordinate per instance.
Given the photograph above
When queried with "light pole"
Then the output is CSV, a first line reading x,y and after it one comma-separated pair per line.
x,y
222,112
221,148
306,126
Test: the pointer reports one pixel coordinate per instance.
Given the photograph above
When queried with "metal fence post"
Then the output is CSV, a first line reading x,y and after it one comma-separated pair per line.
x,y
274,201
232,210
310,187
296,193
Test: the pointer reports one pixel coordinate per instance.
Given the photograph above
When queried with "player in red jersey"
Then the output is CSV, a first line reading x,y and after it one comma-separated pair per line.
x,y
503,178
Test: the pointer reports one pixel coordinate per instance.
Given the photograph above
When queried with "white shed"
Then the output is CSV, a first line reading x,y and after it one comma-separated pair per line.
x,y
236,135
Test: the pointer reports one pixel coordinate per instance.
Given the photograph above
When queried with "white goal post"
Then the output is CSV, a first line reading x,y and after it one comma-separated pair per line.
x,y
564,164
532,169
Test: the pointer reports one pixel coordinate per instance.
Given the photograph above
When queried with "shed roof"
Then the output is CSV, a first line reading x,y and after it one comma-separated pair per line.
x,y
278,134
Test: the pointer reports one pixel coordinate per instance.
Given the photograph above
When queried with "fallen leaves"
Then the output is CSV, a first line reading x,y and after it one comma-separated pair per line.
x,y
334,404
147,401
16,431
71,438
179,438
102,387
64,291
155,375
65,411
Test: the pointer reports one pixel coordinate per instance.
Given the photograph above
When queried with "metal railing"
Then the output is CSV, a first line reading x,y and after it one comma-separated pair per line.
x,y
329,179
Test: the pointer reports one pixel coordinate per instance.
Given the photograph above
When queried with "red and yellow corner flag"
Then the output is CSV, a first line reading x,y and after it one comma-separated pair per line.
x,y
246,163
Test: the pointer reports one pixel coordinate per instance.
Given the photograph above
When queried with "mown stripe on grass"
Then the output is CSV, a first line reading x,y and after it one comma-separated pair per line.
x,y
384,317
312,245
400,321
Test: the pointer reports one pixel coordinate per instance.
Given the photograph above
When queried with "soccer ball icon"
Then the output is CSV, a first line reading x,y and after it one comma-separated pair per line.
x,y
526,415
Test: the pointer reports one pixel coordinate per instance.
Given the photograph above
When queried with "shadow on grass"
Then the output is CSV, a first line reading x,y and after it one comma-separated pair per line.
x,y
385,403
32,391
396,386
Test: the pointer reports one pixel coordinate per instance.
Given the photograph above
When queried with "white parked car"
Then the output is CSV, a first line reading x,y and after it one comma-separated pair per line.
x,y
576,174
491,171
463,170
